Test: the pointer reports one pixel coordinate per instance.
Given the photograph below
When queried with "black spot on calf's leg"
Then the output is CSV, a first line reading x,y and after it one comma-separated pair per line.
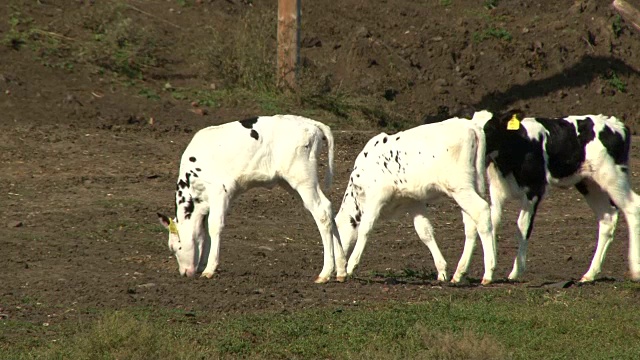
x,y
254,134
192,159
188,209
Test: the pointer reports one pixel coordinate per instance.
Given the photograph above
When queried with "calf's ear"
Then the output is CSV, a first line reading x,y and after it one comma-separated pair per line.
x,y
164,220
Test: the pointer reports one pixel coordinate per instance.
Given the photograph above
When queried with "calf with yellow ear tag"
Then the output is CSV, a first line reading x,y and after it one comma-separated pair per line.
x,y
178,247
223,161
514,123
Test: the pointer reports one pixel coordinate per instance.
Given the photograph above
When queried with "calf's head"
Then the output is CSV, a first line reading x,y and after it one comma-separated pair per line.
x,y
182,244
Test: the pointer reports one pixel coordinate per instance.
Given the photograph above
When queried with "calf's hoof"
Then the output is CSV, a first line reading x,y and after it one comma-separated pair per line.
x,y
321,280
341,279
485,281
207,274
456,279
586,279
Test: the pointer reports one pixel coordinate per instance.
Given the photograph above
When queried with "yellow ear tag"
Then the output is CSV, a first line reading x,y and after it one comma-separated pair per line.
x,y
514,123
172,227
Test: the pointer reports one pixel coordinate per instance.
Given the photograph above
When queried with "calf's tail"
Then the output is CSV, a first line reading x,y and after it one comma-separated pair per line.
x,y
480,164
326,131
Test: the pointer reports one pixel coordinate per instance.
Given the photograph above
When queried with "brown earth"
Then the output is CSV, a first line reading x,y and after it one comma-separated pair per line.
x,y
84,171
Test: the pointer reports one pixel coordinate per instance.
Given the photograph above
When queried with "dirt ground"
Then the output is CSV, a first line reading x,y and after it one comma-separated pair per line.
x,y
83,176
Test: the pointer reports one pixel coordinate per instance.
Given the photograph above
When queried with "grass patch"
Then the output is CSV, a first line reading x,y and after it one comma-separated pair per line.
x,y
243,56
513,323
490,4
492,33
616,25
616,82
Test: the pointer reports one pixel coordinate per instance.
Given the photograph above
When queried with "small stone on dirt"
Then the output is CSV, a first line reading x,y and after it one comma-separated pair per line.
x,y
15,224
147,285
200,112
311,42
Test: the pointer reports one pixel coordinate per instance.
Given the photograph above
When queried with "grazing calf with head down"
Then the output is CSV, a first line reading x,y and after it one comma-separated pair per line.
x,y
223,161
590,152
403,172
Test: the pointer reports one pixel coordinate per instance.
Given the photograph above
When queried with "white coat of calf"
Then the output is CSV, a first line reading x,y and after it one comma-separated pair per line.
x,y
403,172
590,152
223,161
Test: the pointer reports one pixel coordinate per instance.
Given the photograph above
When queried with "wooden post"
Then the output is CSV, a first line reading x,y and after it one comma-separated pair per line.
x,y
288,42
629,13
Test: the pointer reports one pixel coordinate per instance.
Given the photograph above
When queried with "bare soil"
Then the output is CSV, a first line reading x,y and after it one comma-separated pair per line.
x,y
84,172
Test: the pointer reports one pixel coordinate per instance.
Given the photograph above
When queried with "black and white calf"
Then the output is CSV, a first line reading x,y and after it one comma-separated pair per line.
x,y
590,152
403,172
223,161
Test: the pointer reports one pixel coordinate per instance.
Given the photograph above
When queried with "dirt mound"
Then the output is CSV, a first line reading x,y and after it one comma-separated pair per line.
x,y
409,59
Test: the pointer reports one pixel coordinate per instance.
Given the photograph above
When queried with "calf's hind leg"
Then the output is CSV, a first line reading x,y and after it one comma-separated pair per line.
x,y
607,216
479,211
320,208
615,181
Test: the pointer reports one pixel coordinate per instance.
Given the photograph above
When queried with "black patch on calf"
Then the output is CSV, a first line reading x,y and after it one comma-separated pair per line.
x,y
198,169
585,131
384,140
188,209
248,123
533,217
254,134
182,184
564,148
192,159
355,220
516,154
365,154
617,145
